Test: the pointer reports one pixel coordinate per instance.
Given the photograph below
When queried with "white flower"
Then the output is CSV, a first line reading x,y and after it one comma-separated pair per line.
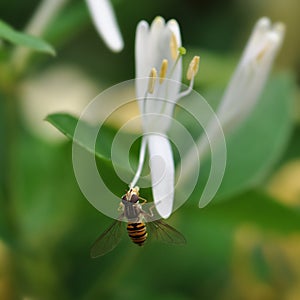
x,y
157,48
249,78
105,21
243,91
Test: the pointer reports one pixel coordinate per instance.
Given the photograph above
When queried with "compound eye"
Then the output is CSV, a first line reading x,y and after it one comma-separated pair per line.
x,y
134,198
124,198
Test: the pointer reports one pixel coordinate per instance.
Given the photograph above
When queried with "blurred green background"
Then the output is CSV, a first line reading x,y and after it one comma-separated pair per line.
x,y
244,245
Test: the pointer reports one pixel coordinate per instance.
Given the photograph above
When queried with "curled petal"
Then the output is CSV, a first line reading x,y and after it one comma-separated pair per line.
x,y
141,61
105,21
252,72
248,80
155,49
175,29
152,46
162,173
141,43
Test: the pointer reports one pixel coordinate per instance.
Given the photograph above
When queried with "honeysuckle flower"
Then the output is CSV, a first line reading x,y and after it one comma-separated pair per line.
x,y
249,78
158,59
244,89
105,22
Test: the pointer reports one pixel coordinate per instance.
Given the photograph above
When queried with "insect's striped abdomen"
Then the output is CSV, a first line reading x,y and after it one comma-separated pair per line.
x,y
137,232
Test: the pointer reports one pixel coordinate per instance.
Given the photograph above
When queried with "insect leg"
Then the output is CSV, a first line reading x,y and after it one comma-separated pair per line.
x,y
143,199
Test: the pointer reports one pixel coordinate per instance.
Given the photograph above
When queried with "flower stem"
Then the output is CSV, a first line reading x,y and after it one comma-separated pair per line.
x,y
37,25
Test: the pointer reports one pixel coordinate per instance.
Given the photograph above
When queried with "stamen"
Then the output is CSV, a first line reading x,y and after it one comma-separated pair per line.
x,y
187,91
262,53
163,71
193,68
191,73
173,46
273,40
152,80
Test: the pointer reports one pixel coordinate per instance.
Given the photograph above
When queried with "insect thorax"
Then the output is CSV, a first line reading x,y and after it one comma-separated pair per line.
x,y
132,211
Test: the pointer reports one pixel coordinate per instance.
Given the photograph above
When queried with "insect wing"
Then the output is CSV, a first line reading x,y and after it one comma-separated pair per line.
x,y
161,231
108,240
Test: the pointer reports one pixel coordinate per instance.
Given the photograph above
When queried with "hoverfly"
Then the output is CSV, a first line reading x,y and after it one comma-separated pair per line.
x,y
137,229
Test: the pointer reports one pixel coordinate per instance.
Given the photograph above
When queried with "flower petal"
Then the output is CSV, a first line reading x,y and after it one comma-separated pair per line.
x,y
104,20
248,80
251,74
162,173
141,63
175,29
156,44
141,43
261,28
152,47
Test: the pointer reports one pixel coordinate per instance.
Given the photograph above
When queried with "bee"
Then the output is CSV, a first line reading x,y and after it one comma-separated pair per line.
x,y
139,222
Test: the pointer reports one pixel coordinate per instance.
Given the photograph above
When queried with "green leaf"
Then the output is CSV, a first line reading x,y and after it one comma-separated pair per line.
x,y
66,124
254,207
10,34
255,147
293,150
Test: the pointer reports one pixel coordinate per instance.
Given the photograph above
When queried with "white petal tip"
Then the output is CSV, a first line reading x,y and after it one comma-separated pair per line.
x,y
174,28
274,38
106,24
166,216
172,22
163,201
263,23
142,25
162,174
116,46
279,28
159,20
163,211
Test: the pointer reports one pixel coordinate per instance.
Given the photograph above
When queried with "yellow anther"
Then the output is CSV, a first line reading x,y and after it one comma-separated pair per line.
x,y
193,67
261,53
152,80
173,46
163,71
